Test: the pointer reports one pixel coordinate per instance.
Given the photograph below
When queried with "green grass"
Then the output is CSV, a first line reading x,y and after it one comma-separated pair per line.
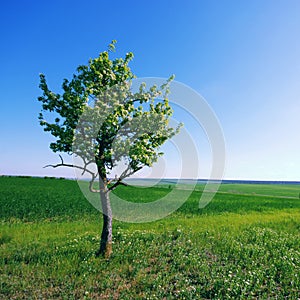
x,y
279,190
242,245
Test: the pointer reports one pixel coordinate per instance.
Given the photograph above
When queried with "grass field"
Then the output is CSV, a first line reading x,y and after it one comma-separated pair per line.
x,y
244,245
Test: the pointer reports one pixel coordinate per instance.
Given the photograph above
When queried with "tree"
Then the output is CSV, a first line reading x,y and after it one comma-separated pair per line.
x,y
102,121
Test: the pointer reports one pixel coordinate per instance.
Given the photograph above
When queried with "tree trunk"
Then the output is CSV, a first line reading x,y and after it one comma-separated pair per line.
x,y
105,249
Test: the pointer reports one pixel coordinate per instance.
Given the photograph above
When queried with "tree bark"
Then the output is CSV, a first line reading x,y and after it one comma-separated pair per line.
x,y
105,249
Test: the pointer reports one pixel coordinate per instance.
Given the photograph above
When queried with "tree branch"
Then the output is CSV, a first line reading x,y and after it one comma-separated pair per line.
x,y
122,176
84,169
92,190
62,164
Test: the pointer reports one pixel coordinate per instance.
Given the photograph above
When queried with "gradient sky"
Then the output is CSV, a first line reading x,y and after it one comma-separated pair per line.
x,y
243,57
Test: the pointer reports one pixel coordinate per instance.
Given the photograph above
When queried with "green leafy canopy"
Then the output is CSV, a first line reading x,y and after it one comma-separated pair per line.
x,y
100,118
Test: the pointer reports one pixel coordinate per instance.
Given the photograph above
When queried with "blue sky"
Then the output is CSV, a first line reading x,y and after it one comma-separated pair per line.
x,y
243,57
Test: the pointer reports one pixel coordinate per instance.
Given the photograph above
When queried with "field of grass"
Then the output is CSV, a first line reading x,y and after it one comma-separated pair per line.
x,y
244,245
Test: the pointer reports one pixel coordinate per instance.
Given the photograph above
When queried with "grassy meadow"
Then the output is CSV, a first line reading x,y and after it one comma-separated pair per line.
x,y
245,244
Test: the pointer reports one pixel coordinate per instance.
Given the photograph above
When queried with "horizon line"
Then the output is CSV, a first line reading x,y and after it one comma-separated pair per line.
x,y
170,178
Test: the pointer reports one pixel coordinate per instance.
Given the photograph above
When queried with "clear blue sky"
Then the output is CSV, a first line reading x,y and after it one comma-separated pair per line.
x,y
242,56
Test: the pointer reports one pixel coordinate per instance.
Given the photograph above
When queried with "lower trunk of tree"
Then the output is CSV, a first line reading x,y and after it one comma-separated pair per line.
x,y
105,249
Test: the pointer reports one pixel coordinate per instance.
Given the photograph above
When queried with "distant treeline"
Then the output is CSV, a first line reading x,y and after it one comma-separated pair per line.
x,y
27,176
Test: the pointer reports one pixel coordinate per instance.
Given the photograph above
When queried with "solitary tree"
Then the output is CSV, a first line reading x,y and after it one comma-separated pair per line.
x,y
101,120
